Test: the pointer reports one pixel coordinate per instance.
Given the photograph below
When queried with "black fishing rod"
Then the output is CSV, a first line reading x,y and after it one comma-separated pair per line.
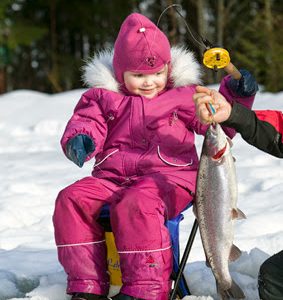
x,y
213,57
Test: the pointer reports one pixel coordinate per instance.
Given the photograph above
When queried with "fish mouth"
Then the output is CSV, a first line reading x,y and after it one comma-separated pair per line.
x,y
213,130
213,126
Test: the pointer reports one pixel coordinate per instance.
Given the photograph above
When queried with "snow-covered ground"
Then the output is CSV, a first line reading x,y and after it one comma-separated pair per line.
x,y
34,169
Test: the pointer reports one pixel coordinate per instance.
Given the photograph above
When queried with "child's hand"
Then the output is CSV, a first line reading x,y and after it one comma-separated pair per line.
x,y
78,148
203,98
246,86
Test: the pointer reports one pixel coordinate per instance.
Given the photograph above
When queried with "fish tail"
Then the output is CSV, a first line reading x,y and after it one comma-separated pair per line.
x,y
234,292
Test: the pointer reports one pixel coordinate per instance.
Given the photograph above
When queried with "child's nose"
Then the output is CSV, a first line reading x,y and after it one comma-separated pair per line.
x,y
148,81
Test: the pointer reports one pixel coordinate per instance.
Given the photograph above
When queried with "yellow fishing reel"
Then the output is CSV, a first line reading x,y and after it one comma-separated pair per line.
x,y
216,58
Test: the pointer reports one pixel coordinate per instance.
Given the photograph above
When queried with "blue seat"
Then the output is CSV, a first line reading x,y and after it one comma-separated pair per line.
x,y
173,227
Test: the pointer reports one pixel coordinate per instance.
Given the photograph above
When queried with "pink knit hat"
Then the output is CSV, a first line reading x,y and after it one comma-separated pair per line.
x,y
140,47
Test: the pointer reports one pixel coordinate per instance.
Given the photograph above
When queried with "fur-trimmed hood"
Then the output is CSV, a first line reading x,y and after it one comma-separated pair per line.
x,y
98,71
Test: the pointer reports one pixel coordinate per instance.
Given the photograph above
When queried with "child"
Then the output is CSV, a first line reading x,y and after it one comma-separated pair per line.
x,y
138,121
264,130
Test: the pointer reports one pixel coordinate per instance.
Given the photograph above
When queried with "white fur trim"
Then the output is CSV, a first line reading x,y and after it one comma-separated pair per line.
x,y
185,68
98,71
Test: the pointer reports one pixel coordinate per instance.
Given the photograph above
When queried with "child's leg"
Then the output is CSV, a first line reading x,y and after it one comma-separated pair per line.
x,y
79,238
142,240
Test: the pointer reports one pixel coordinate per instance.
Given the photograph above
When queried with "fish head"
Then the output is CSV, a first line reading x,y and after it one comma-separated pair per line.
x,y
215,143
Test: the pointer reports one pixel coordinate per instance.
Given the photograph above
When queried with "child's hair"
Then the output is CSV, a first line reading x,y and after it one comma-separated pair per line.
x,y
140,47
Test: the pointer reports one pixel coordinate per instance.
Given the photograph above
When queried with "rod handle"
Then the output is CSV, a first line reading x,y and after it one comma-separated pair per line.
x,y
233,71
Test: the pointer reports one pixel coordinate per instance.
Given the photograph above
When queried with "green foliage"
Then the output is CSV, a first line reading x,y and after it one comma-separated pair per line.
x,y
25,34
3,7
44,42
261,51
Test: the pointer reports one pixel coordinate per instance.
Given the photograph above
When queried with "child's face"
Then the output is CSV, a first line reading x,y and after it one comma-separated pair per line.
x,y
147,85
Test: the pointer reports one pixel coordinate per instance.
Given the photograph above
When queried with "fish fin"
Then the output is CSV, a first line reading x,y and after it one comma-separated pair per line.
x,y
223,295
241,215
236,213
234,292
235,253
207,262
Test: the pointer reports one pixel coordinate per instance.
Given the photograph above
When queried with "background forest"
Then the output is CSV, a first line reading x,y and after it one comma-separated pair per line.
x,y
43,43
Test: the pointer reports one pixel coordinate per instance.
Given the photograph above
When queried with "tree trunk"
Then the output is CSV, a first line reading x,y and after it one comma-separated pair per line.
x,y
53,75
173,24
3,80
220,32
203,32
4,61
220,23
201,21
272,68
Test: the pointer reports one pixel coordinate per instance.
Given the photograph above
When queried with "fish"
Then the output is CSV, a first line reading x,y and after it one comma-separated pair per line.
x,y
216,209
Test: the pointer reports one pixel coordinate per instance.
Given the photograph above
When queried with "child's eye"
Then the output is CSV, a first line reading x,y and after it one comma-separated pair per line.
x,y
138,75
160,73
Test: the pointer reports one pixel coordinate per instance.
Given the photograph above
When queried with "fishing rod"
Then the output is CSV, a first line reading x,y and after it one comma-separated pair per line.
x,y
214,58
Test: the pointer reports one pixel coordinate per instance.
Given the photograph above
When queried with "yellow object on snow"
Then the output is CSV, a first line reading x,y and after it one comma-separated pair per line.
x,y
113,260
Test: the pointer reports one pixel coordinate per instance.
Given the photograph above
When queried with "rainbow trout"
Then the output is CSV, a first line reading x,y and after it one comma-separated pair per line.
x,y
216,209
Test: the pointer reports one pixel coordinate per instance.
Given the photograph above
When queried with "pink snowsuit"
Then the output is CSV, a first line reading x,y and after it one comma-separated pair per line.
x,y
145,168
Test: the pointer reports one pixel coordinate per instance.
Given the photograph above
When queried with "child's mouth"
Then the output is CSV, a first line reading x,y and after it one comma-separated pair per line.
x,y
148,91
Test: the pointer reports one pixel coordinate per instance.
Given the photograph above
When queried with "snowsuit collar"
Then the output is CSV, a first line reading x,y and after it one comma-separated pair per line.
x,y
98,71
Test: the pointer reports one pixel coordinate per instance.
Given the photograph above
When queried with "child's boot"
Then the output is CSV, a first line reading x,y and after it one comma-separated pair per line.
x,y
86,296
121,296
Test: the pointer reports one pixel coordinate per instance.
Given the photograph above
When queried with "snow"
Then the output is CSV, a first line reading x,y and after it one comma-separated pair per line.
x,y
34,170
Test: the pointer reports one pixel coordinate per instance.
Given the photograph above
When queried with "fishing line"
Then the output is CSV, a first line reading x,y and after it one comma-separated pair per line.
x,y
213,57
204,42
